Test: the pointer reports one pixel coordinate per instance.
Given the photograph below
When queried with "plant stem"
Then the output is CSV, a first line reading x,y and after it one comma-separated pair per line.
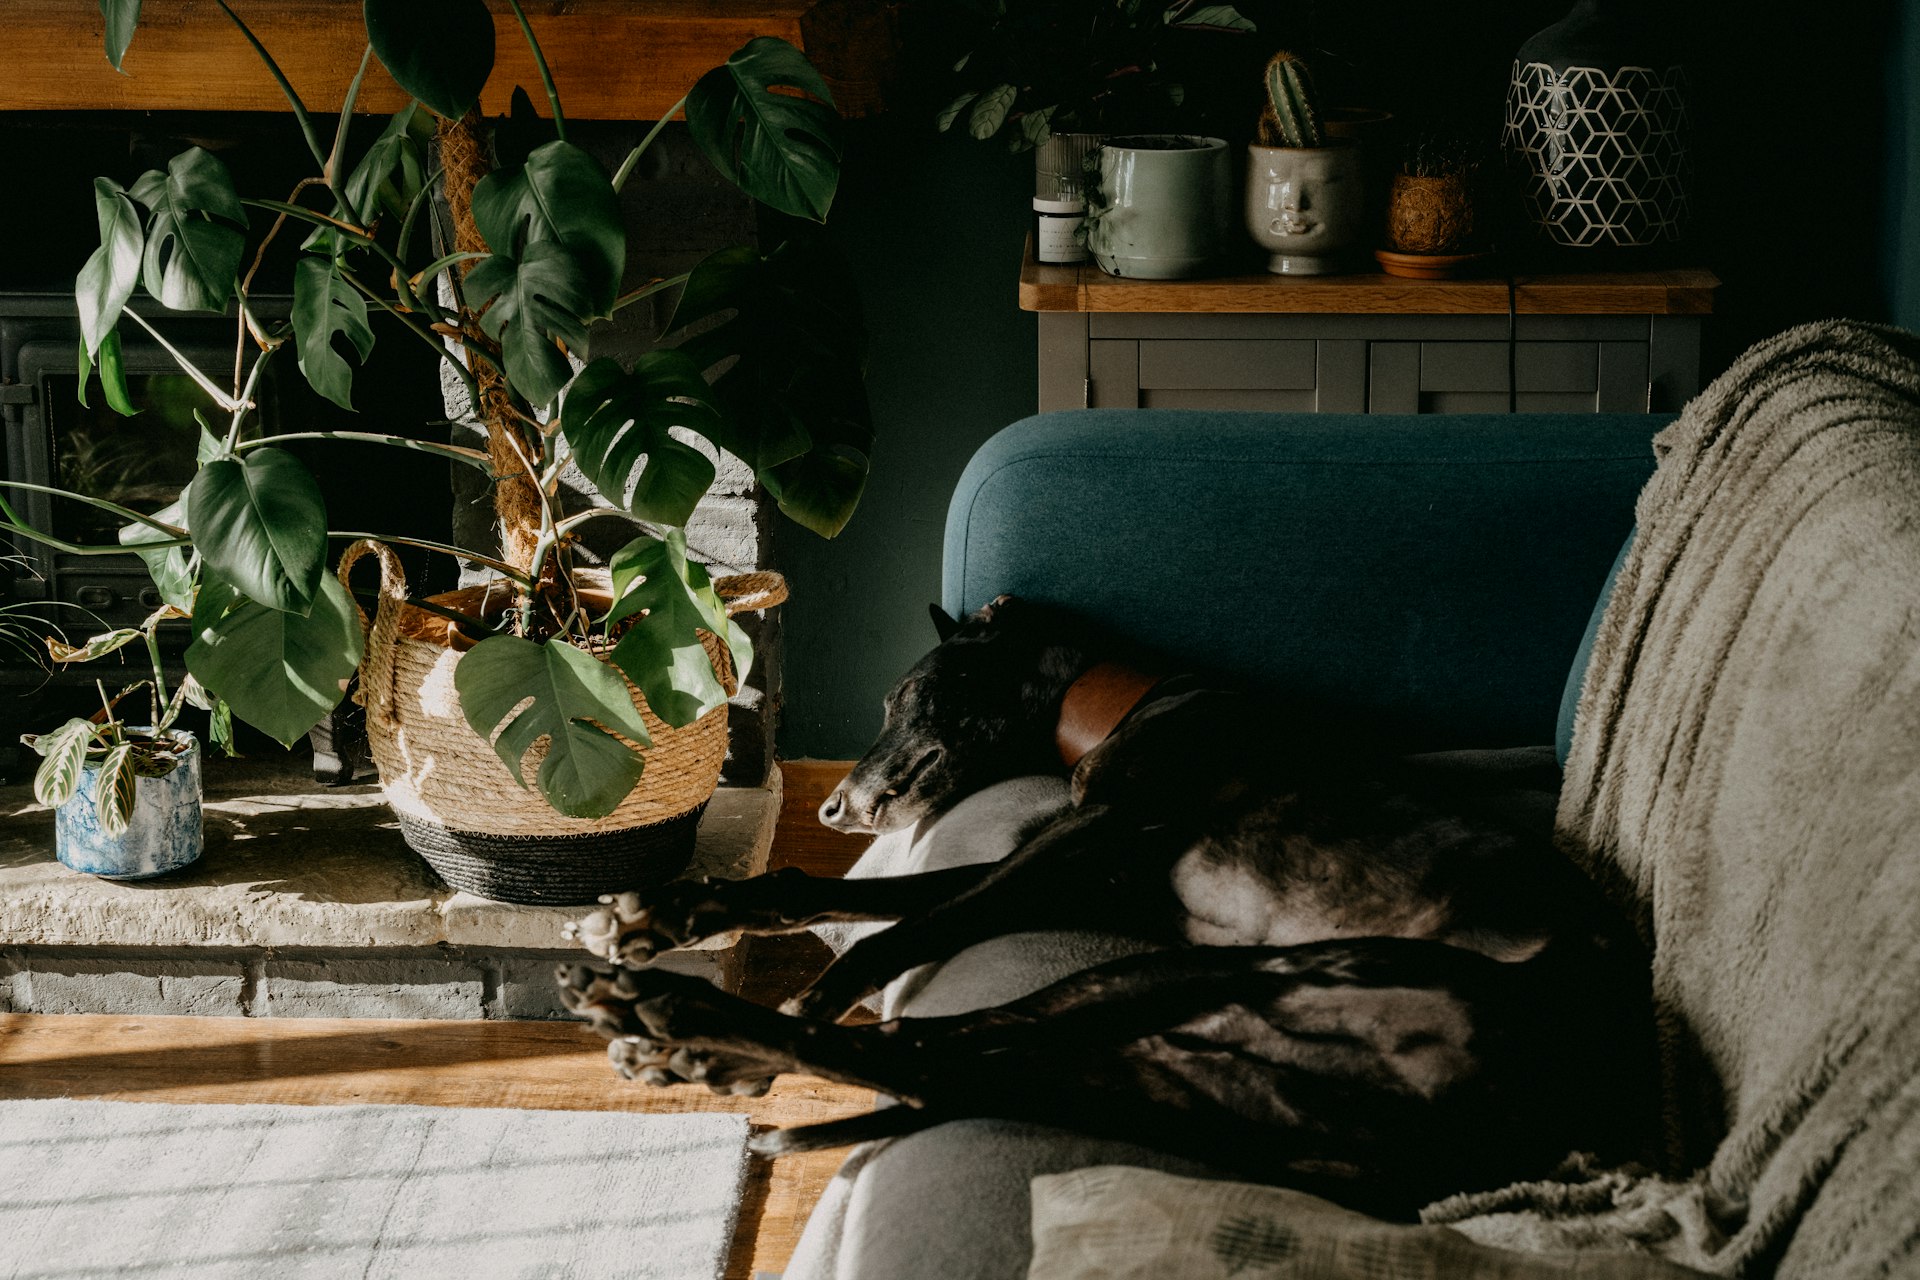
x,y
331,169
633,157
649,289
286,86
546,76
499,566
245,401
158,689
472,457
220,397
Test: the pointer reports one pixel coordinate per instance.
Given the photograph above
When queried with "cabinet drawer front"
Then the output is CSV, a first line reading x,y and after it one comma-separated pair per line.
x,y
1226,365
1552,367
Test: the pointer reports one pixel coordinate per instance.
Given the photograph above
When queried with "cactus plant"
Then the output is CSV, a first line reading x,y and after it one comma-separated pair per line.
x,y
1291,117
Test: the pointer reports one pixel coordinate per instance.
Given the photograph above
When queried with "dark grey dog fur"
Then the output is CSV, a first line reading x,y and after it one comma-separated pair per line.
x,y
1380,981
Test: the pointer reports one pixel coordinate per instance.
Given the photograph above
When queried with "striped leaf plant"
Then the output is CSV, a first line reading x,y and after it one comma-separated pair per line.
x,y
122,753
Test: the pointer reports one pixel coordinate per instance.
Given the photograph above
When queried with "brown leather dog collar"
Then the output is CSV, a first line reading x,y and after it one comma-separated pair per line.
x,y
1095,705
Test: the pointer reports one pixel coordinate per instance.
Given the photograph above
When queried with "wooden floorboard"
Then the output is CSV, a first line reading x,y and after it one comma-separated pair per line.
x,y
537,1065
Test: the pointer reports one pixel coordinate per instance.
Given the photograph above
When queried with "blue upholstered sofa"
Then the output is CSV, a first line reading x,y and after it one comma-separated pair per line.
x,y
1434,574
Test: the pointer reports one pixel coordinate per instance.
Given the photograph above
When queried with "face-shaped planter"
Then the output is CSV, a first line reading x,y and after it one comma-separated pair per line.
x,y
1162,207
1306,206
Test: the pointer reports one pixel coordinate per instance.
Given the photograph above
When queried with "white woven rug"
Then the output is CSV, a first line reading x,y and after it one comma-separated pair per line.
x,y
99,1189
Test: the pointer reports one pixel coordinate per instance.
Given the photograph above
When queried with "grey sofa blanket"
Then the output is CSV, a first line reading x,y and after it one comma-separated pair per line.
x,y
1745,777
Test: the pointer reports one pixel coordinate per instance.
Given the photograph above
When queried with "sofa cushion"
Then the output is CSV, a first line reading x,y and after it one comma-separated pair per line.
x,y
1433,573
1577,674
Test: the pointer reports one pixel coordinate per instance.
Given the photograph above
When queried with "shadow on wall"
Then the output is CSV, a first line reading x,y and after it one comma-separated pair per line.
x,y
933,226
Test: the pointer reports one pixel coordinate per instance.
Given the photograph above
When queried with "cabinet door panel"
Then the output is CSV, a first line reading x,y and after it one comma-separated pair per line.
x,y
1239,365
1113,372
1277,400
1482,366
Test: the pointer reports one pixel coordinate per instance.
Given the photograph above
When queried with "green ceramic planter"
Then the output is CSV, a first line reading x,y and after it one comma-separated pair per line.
x,y
1163,207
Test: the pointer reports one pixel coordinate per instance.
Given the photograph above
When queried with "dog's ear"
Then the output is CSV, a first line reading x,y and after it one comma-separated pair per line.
x,y
943,623
994,606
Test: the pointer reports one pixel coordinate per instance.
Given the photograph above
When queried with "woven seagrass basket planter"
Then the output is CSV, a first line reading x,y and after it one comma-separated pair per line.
x,y
459,806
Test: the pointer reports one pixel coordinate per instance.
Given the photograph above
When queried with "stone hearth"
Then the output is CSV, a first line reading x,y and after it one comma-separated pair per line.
x,y
305,904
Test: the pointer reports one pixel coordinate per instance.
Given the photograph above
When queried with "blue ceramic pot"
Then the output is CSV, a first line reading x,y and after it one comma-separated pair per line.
x,y
165,833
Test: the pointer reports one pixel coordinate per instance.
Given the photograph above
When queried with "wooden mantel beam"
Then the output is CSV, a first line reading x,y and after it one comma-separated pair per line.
x,y
611,59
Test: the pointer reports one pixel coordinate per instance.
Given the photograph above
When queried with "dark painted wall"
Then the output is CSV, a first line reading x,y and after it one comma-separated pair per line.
x,y
933,226
1901,243
1808,206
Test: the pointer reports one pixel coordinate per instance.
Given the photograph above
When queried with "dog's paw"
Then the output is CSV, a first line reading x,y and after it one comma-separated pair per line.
x,y
644,1013
650,1062
632,928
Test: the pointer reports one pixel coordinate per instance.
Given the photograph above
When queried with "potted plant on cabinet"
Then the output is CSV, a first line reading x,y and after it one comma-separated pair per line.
x,y
604,692
1306,194
126,798
1433,225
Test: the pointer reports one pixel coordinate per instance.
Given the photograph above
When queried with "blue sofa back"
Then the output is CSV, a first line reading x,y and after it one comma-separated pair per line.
x,y
1431,573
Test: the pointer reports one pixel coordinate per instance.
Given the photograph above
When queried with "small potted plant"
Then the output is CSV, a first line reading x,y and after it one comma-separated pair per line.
x,y
1432,225
126,798
555,733
1306,191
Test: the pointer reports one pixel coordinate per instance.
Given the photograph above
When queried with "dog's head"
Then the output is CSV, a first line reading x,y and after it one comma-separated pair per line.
x,y
980,708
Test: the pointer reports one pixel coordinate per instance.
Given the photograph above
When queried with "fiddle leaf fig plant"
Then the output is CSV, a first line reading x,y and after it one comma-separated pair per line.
x,y
505,281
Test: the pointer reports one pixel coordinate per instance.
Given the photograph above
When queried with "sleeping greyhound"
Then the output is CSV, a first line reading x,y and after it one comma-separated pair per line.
x,y
1376,982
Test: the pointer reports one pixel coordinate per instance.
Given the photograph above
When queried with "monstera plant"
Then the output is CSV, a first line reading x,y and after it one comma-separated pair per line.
x,y
532,261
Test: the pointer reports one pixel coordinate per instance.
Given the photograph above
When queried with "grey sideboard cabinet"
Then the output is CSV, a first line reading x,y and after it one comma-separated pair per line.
x,y
1604,342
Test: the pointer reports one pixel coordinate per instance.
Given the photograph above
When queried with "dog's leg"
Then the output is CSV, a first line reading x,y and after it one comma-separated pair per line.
x,y
1358,1068
632,928
665,1028
1089,868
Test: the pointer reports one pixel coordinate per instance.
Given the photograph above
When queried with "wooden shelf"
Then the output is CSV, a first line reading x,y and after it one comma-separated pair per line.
x,y
1086,288
611,59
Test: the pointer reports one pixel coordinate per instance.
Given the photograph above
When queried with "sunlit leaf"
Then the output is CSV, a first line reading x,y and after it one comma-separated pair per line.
x,y
661,652
167,566
64,753
615,419
116,790
280,672
587,771
259,521
107,279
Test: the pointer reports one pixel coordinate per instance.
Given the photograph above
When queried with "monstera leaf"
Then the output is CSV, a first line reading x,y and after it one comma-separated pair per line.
x,y
785,329
194,241
661,651
387,178
121,17
326,307
440,51
537,301
260,523
560,196
587,771
780,149
280,672
614,420
167,566
107,280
